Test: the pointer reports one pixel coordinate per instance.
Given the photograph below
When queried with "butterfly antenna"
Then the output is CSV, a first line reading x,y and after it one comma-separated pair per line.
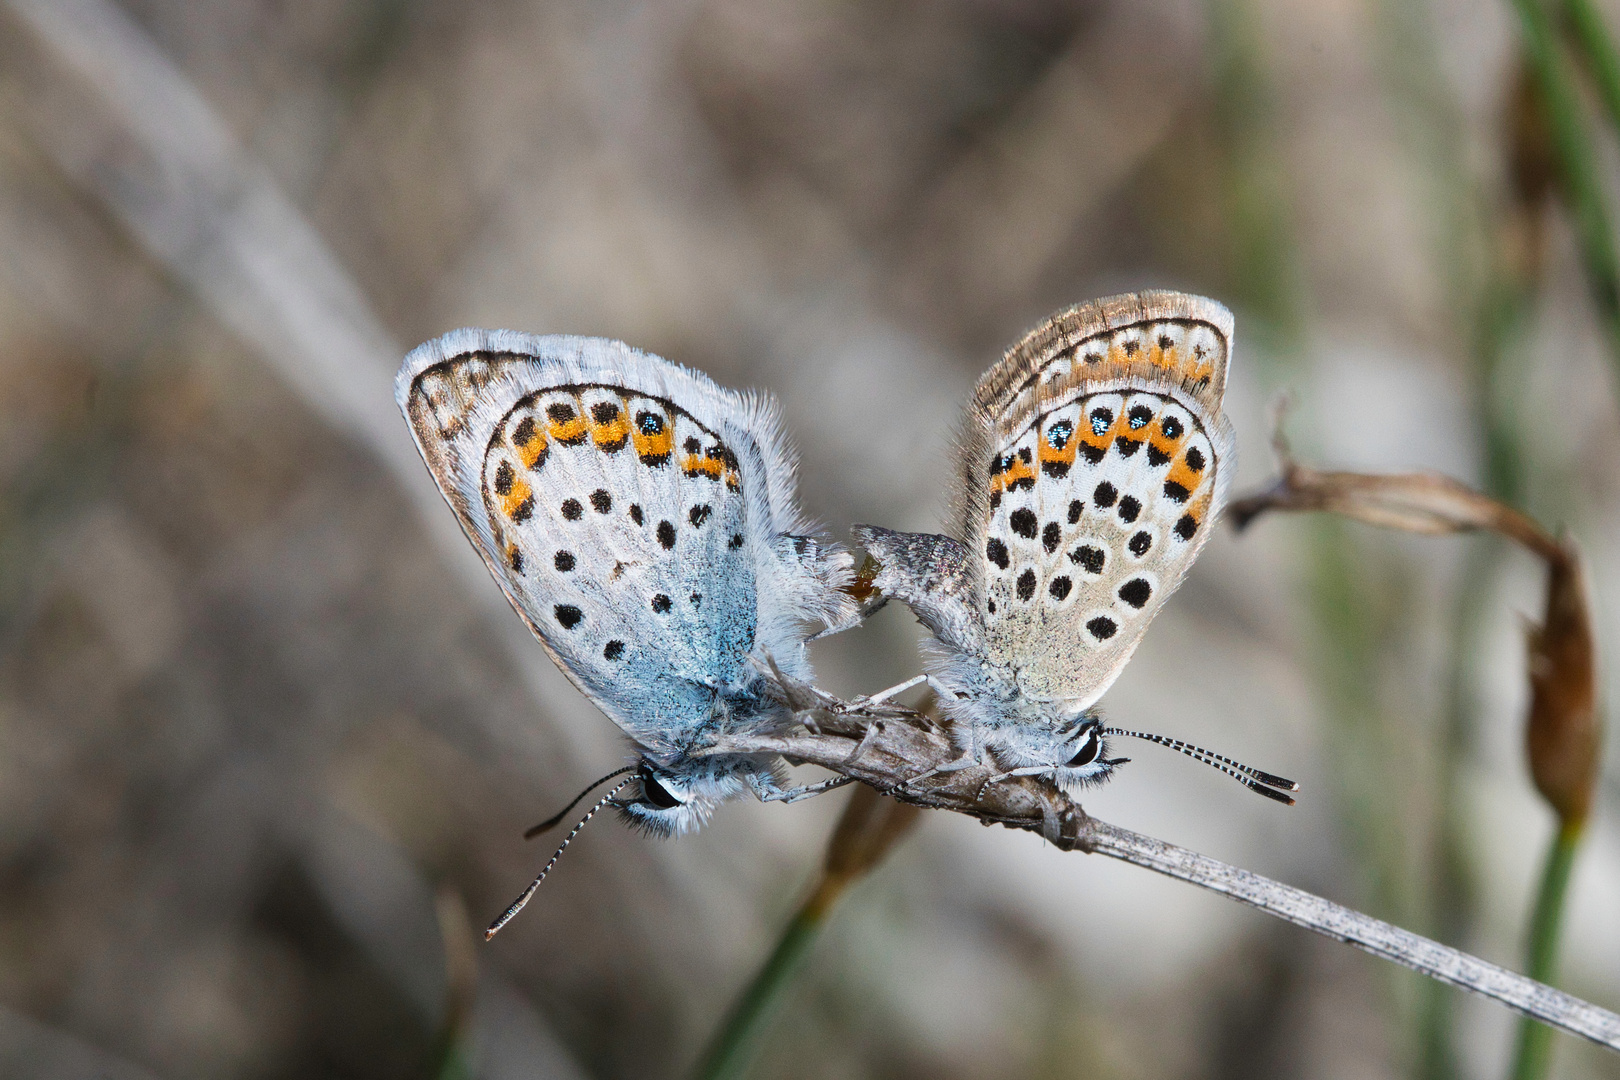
x,y
553,821
1272,787
517,905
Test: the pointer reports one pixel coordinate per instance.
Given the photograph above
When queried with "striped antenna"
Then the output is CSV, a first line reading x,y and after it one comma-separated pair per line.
x,y
554,820
517,905
1272,787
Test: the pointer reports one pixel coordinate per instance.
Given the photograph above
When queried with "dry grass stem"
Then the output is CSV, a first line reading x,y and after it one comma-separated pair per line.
x,y
884,746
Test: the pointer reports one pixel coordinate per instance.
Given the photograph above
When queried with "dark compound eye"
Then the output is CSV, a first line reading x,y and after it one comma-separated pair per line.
x,y
1088,751
1057,436
656,793
650,423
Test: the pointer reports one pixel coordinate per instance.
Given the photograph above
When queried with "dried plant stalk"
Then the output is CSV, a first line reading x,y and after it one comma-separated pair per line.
x,y
884,746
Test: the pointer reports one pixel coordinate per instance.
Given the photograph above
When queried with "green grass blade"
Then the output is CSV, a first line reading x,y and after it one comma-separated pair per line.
x,y
1534,1053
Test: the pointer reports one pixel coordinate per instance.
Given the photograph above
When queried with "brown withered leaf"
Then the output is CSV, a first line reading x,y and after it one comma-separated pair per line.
x,y
1428,503
1562,736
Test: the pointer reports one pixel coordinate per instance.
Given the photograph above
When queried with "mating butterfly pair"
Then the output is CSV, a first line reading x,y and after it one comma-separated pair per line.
x,y
643,522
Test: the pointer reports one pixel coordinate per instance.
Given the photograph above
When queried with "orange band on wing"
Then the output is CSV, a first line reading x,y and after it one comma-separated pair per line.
x,y
610,437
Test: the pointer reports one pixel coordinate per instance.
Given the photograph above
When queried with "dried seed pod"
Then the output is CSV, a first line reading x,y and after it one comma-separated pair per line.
x,y
1562,736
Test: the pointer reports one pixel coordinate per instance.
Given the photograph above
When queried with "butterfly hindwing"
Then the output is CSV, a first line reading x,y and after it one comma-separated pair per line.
x,y
632,511
1099,464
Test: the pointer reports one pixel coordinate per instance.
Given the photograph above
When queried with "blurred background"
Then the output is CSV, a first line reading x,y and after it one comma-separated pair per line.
x,y
269,735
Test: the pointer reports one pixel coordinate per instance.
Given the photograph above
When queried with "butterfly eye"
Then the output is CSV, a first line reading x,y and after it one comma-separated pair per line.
x,y
658,794
1088,751
650,423
1057,436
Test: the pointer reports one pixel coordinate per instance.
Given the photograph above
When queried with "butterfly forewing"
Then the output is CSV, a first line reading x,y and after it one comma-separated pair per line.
x,y
1103,462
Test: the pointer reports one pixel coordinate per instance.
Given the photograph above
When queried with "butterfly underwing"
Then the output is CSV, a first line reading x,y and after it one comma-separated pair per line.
x,y
1094,462
643,523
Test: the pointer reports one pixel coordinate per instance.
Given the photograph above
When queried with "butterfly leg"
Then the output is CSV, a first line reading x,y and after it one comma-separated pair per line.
x,y
884,695
772,793
1028,770
966,761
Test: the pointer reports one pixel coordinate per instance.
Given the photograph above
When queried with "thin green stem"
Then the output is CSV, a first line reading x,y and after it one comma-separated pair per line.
x,y
1577,164
1534,1053
728,1057
1589,34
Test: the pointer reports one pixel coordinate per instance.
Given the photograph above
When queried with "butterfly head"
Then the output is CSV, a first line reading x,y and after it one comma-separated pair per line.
x,y
676,800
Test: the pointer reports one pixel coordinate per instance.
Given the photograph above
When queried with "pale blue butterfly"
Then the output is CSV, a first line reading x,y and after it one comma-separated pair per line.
x,y
643,522
1094,464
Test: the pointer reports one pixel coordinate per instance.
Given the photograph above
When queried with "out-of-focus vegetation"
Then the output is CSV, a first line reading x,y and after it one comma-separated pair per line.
x,y
269,737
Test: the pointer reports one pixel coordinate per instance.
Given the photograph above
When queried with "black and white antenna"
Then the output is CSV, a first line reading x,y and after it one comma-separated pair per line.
x,y
1272,787
517,905
554,820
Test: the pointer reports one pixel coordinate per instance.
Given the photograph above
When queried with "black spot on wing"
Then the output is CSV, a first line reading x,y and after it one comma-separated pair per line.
x,y
1088,558
1023,522
996,552
1026,585
1136,592
568,616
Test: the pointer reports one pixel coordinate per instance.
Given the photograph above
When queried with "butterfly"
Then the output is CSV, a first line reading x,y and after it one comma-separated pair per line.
x,y
1094,462
643,523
